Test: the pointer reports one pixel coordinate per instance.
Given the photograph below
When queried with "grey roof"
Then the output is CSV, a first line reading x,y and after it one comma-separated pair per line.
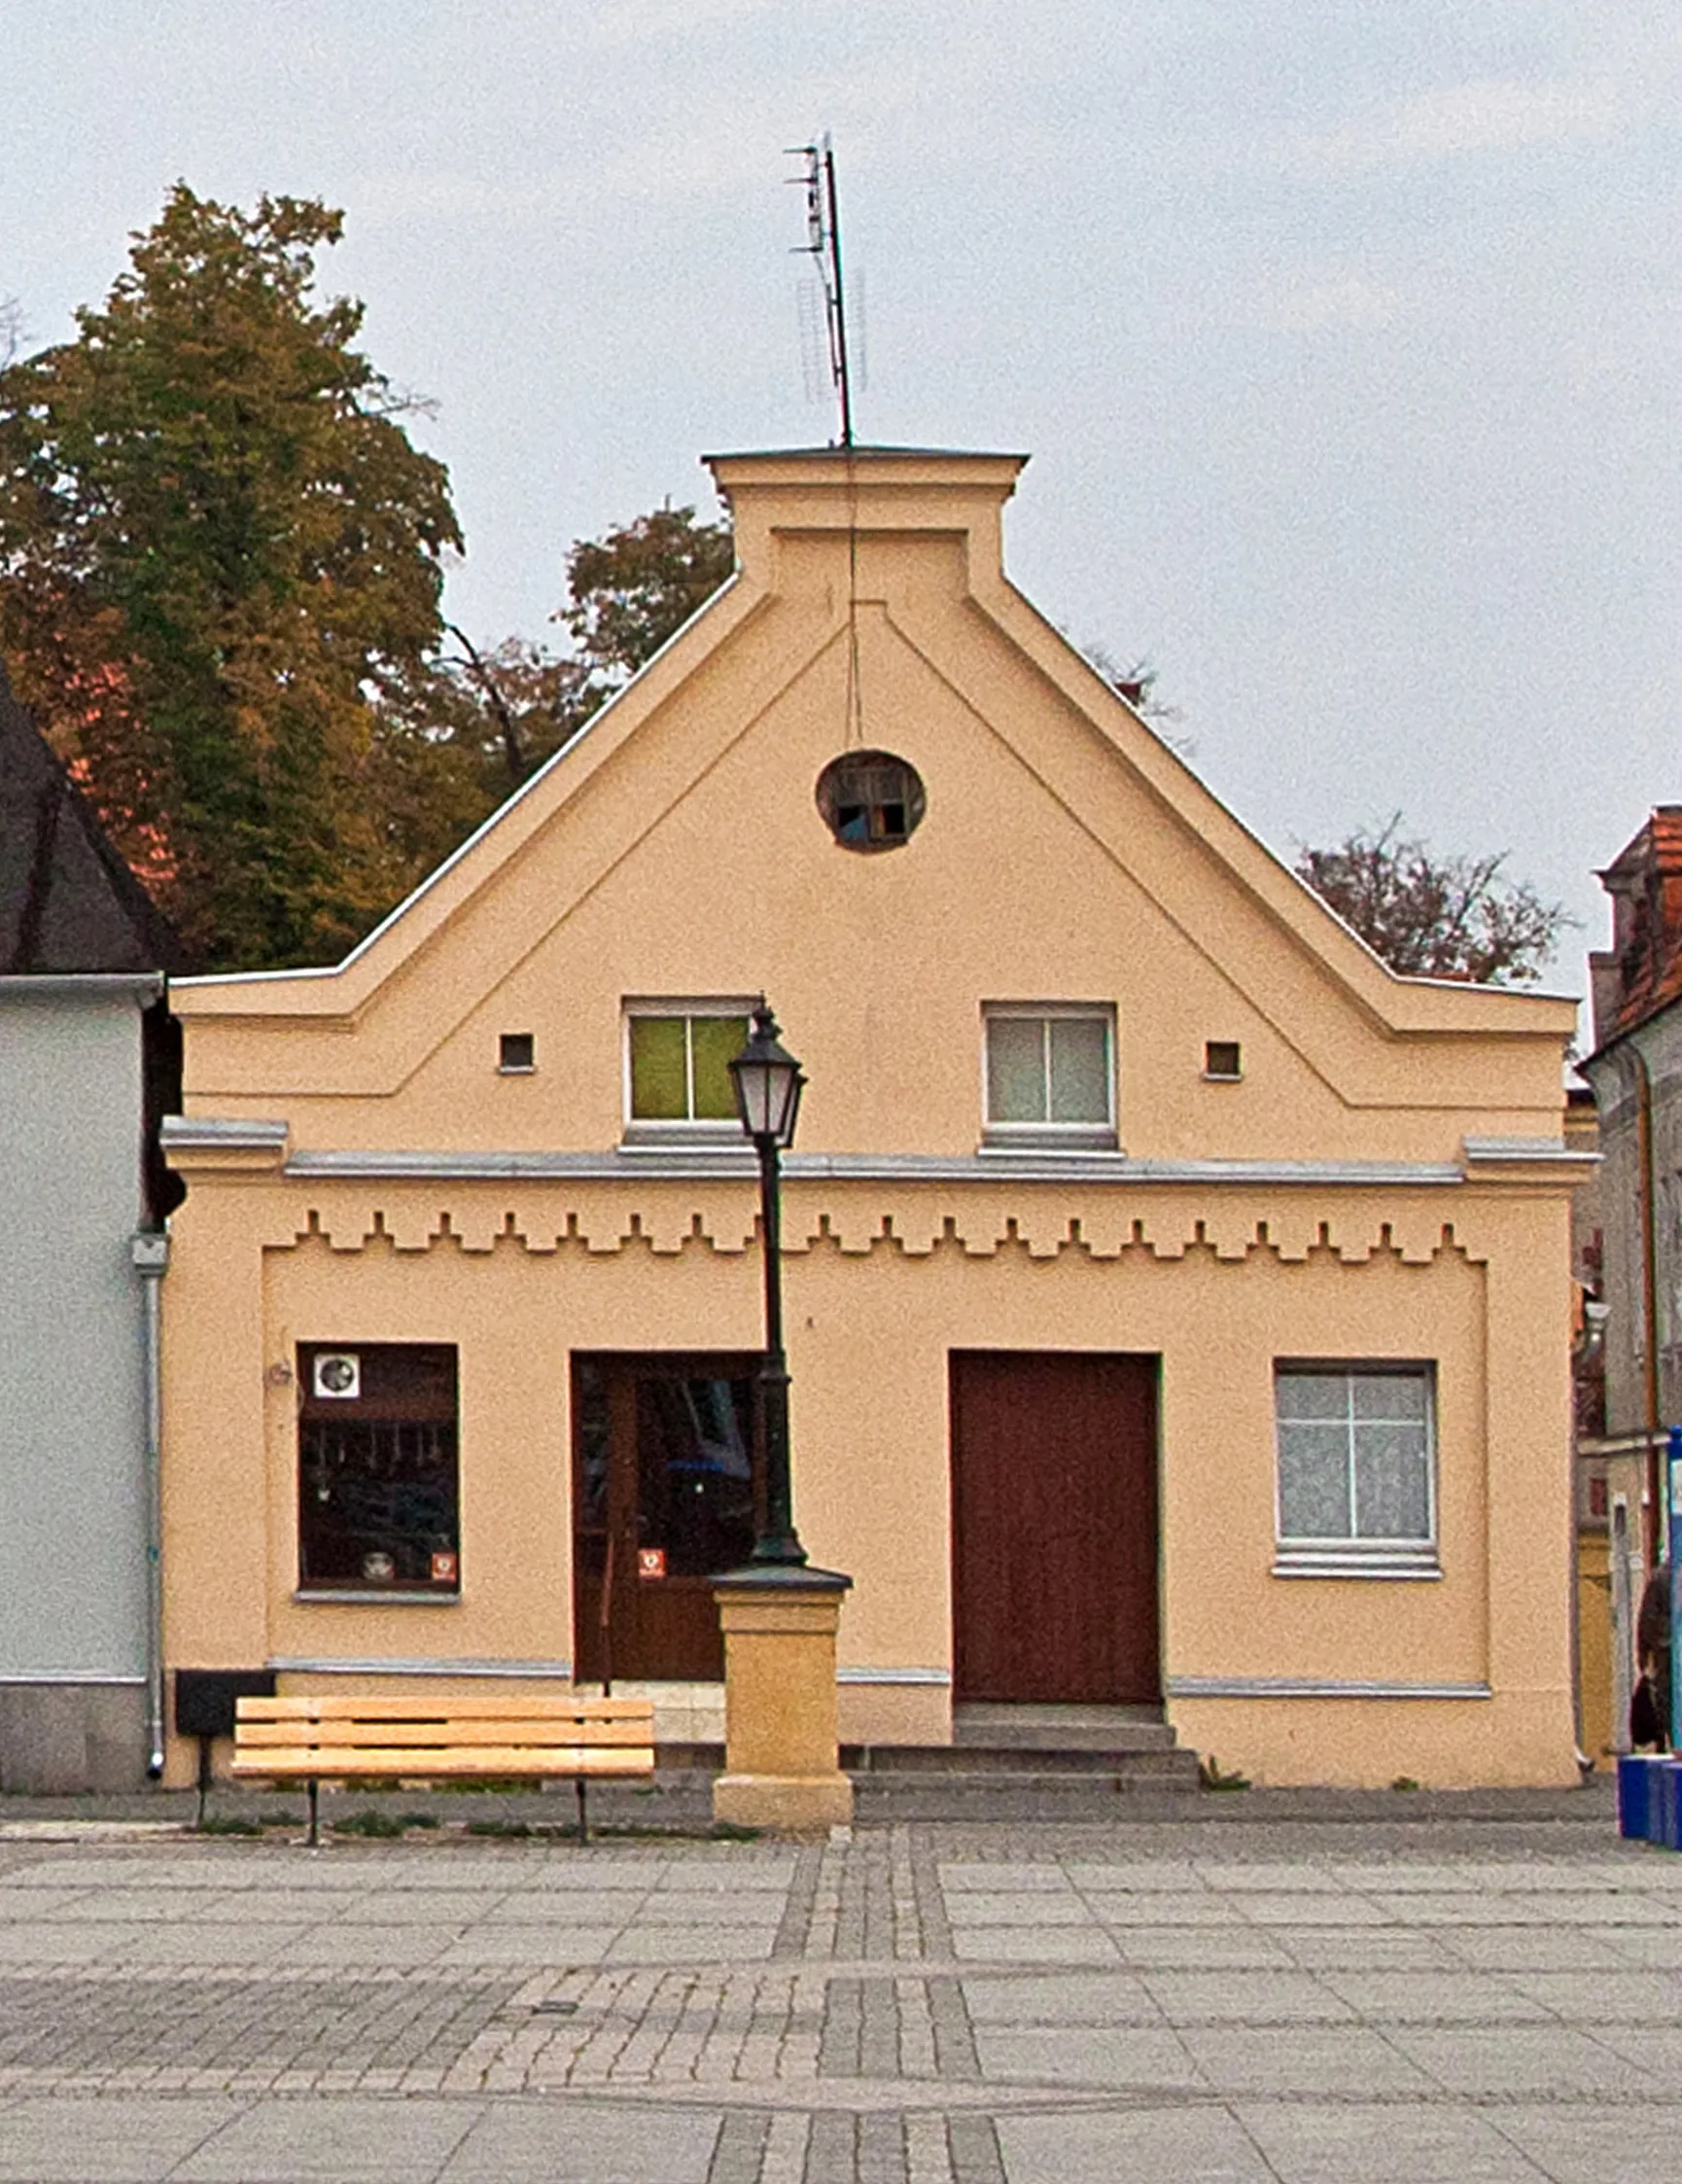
x,y
863,451
68,902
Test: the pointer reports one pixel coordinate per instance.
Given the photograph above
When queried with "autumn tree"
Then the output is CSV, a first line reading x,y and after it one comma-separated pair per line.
x,y
461,734
1431,916
219,554
629,591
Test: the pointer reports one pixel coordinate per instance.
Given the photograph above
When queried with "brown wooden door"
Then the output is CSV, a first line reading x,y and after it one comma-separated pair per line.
x,y
663,1502
1054,1528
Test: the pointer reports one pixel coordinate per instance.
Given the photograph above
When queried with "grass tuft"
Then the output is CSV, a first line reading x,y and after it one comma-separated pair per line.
x,y
369,1822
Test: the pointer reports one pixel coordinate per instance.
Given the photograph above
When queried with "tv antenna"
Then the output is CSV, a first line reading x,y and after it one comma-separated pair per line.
x,y
824,244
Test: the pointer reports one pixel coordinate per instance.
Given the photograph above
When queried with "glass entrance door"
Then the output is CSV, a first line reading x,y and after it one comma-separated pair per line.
x,y
663,1502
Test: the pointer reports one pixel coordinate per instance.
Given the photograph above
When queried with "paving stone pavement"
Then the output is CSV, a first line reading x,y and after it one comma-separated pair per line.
x,y
1175,2002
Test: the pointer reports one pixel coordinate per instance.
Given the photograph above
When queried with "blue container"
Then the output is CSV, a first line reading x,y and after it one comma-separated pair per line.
x,y
1666,1780
1636,1800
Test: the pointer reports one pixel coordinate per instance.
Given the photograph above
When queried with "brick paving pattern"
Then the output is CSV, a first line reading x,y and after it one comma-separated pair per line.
x,y
924,2004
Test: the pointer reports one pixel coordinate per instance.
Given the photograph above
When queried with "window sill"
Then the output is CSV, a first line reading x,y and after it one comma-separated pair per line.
x,y
658,1137
1031,1137
1420,1564
336,1596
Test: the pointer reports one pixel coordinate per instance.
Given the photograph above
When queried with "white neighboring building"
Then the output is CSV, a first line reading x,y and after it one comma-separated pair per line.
x,y
88,1062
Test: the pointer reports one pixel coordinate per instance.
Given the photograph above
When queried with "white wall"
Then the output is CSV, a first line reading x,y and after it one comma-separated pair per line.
x,y
72,1542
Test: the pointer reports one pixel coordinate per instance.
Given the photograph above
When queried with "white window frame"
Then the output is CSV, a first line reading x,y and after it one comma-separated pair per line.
x,y
1084,1137
724,1133
1350,1555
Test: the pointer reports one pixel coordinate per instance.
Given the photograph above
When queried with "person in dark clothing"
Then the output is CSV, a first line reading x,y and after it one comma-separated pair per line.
x,y
1650,1704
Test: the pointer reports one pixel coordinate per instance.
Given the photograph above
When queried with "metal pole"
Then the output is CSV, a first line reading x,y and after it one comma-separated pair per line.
x,y
842,374
1623,1556
150,1251
778,1542
1672,1510
1657,1530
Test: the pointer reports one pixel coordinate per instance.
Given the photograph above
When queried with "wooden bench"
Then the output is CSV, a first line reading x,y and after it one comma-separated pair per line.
x,y
313,1740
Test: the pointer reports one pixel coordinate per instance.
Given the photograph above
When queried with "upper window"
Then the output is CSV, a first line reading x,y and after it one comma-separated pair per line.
x,y
1050,1075
677,1065
870,799
1356,1464
377,1468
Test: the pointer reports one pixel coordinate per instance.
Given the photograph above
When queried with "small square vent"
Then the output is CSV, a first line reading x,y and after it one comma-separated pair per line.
x,y
337,1375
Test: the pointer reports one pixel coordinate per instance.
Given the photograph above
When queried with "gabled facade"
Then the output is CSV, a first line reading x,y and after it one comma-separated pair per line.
x,y
1177,1300
88,1064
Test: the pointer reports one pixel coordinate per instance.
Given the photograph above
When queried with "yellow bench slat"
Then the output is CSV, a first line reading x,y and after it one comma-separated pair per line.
x,y
330,1762
373,1728
314,1706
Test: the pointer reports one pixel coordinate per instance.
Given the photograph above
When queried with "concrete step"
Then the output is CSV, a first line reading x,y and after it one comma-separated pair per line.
x,y
1024,1797
1159,1758
935,1776
1105,1729
1153,1759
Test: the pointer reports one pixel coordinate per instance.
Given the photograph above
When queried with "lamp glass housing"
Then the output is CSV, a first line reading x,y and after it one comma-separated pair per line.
x,y
767,1083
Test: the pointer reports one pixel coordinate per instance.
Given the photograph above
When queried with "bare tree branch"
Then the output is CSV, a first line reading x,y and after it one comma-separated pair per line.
x,y
1435,917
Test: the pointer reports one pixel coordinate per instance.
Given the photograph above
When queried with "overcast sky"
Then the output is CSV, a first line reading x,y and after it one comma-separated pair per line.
x,y
1345,335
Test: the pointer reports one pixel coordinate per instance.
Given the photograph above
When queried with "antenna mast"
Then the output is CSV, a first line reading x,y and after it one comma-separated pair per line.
x,y
823,243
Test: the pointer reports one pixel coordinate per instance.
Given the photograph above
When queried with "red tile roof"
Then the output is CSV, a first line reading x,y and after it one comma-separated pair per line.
x,y
1645,883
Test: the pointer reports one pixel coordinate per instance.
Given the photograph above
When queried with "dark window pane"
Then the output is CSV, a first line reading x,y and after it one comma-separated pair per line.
x,y
594,1430
870,799
695,1472
377,1472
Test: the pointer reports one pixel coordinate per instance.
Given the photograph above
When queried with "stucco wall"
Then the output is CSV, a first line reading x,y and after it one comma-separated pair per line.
x,y
878,1293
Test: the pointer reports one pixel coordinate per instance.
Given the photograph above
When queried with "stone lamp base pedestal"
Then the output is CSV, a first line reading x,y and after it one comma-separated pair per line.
x,y
779,1724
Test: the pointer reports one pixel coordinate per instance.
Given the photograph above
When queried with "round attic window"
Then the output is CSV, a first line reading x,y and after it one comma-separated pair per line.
x,y
871,799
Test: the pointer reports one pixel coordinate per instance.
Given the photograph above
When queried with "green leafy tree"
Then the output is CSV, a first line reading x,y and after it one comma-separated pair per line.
x,y
220,556
1430,916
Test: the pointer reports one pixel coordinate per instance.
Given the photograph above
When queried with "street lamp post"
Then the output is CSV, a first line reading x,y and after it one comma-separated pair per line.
x,y
767,1083
778,1617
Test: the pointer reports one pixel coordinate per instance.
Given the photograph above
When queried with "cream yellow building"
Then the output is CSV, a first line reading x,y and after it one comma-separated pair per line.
x,y
1175,1298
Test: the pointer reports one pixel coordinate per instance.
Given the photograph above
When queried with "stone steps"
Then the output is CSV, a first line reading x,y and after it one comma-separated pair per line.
x,y
960,1781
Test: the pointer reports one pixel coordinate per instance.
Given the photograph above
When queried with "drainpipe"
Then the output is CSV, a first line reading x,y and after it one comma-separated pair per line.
x,y
151,1253
1656,1524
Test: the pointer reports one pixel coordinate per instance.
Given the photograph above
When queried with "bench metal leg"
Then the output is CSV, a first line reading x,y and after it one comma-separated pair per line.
x,y
583,1815
203,1782
314,1812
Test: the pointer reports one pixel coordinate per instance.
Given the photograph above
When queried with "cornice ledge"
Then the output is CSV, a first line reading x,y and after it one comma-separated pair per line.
x,y
1315,1687
695,1164
204,1141
81,985
1514,1159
